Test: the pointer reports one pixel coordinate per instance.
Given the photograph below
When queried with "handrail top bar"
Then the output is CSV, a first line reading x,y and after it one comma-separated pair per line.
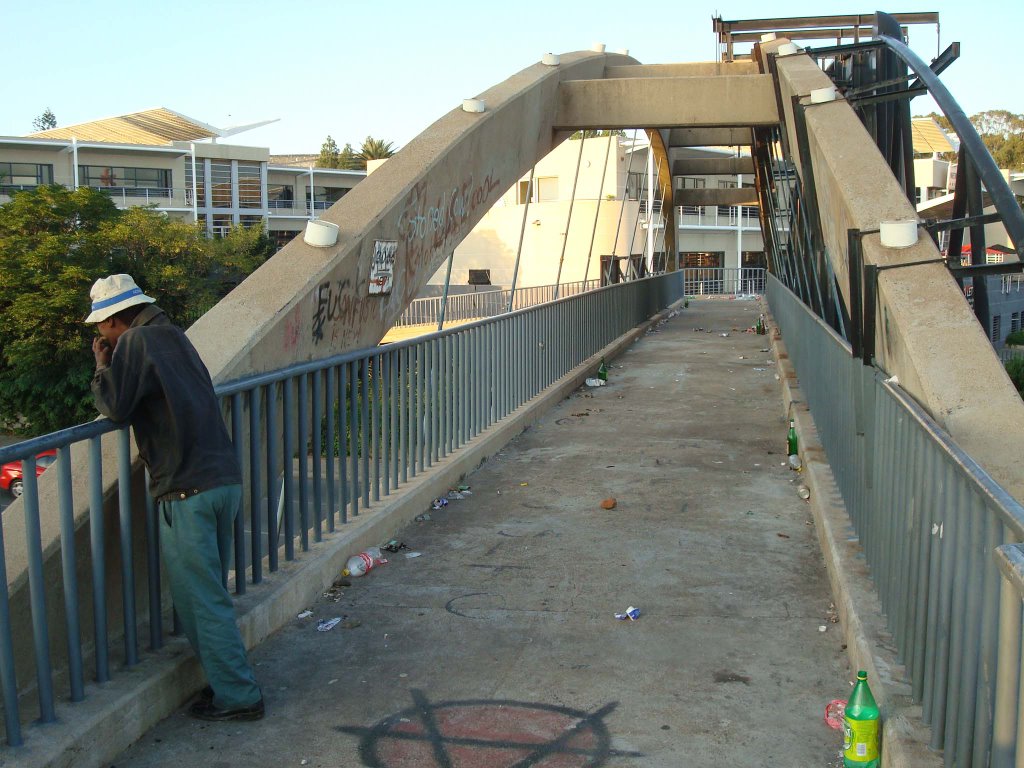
x,y
59,439
103,425
261,379
1010,559
998,495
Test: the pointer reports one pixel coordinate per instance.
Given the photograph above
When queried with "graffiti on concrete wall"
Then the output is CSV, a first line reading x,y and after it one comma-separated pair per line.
x,y
428,220
332,302
382,266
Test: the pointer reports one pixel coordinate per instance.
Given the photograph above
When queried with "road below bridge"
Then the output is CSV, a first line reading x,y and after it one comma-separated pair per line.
x,y
498,645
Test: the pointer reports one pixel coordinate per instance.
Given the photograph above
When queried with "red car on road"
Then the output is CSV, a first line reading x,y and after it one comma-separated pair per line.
x,y
10,473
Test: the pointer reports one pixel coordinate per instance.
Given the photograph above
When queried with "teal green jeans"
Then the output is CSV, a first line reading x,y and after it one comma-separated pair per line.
x,y
195,542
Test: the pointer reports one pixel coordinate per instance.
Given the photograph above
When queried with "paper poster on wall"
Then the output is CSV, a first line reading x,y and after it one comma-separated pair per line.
x,y
382,267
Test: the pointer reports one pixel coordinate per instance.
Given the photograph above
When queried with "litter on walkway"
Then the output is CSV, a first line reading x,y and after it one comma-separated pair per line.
x,y
631,613
425,517
440,503
394,546
803,492
834,714
305,614
410,555
609,503
595,383
326,625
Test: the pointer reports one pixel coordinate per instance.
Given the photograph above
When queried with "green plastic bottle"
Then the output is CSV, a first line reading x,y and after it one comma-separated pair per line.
x,y
602,371
860,727
792,445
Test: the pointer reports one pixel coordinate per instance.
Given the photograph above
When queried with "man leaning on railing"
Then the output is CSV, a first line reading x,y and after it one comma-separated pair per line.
x,y
149,374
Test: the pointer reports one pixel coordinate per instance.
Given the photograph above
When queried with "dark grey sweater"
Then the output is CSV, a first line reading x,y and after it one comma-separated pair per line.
x,y
157,382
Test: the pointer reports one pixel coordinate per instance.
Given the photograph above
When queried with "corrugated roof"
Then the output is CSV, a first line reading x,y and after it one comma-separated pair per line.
x,y
929,137
153,126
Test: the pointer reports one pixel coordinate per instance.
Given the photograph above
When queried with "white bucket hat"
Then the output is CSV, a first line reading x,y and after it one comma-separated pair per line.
x,y
112,294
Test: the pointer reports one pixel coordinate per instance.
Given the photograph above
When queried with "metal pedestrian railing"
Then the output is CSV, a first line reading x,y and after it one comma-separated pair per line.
x,y
330,436
723,281
929,521
489,303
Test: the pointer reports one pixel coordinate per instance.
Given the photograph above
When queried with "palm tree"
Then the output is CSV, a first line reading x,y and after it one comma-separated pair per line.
x,y
375,149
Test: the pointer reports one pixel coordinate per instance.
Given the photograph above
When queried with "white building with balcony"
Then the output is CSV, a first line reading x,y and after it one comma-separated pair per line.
x,y
175,164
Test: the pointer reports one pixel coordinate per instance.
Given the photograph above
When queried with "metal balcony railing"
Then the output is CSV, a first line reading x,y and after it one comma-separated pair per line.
x,y
319,441
721,216
723,281
473,306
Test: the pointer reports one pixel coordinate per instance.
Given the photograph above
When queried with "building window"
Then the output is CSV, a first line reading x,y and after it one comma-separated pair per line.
x,y
325,197
722,184
281,196
131,180
250,186
997,321
282,237
635,184
690,182
1015,322
221,224
545,190
753,260
16,176
523,193
250,221
220,186
200,183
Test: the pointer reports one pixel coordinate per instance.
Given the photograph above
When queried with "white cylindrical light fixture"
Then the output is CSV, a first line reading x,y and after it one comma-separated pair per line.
x,y
550,60
786,49
898,234
320,233
473,105
622,51
597,47
823,95
767,37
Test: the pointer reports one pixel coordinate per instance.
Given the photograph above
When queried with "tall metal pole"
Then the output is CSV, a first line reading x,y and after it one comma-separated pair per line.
x,y
597,210
568,218
444,294
522,232
650,204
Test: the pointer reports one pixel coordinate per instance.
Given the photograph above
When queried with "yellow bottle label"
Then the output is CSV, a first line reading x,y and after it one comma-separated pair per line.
x,y
860,740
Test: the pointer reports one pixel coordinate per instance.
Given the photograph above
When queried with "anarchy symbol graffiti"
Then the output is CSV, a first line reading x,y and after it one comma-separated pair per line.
x,y
487,733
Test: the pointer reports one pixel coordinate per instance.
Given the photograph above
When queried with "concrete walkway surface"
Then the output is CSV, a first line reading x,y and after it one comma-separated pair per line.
x,y
498,645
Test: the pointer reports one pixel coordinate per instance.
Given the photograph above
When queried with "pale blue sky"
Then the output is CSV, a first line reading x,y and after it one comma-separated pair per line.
x,y
389,69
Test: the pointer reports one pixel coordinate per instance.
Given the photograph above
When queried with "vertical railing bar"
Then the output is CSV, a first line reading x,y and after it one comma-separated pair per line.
x,y
385,423
365,381
238,436
345,427
255,486
37,590
404,377
318,455
124,504
273,491
288,464
332,443
156,639
354,430
97,549
69,574
303,454
8,677
375,381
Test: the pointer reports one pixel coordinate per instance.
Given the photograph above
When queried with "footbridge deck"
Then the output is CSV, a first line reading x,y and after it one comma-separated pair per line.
x,y
499,646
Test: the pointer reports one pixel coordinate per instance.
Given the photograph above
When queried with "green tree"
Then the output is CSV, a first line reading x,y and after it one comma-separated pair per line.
x,y
592,134
349,161
1015,369
45,121
54,243
374,149
330,155
1001,131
